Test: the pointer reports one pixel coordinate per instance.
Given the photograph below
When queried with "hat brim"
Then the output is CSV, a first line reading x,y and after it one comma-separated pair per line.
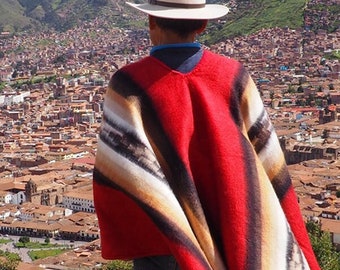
x,y
208,12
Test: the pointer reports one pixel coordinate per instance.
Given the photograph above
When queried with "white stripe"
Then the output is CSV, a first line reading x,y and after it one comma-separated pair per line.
x,y
118,114
255,104
143,183
271,155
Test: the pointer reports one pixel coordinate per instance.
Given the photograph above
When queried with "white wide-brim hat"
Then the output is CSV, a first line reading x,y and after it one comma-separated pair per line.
x,y
182,9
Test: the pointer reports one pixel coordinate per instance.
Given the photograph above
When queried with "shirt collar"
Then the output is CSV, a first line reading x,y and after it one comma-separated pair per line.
x,y
176,45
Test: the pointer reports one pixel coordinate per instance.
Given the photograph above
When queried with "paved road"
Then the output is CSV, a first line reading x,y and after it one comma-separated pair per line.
x,y
23,252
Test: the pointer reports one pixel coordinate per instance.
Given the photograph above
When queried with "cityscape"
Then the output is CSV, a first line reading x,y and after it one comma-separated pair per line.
x,y
52,90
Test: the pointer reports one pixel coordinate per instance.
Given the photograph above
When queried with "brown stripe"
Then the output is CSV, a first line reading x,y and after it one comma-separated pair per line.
x,y
175,5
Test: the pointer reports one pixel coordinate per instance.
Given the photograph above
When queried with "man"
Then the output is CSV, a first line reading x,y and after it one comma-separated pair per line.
x,y
189,173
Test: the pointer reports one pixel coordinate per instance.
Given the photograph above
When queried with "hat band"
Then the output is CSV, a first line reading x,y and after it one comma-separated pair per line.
x,y
175,5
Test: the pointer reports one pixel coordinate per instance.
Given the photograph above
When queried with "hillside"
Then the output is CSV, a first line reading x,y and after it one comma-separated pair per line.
x,y
19,15
245,17
12,16
253,16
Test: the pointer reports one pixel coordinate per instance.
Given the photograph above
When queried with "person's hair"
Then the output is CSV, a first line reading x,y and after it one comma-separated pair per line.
x,y
182,27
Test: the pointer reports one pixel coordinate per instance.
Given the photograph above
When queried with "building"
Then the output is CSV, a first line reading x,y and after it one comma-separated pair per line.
x,y
79,201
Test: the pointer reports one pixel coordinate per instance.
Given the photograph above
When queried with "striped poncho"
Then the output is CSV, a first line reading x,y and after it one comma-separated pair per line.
x,y
189,165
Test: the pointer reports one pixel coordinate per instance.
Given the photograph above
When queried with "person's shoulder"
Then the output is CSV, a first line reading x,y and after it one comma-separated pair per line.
x,y
136,65
137,71
222,57
221,61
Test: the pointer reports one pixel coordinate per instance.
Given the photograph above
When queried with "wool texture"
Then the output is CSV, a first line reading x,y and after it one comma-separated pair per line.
x,y
190,165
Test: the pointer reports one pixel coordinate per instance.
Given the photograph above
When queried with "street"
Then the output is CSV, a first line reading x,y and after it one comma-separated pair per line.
x,y
23,252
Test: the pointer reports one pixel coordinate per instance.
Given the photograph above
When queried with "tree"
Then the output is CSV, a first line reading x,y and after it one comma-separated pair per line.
x,y
300,89
47,240
8,260
338,193
34,70
291,89
323,248
24,239
325,133
15,74
9,264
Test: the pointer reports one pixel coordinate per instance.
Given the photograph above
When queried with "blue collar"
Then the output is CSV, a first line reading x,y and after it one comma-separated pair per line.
x,y
176,45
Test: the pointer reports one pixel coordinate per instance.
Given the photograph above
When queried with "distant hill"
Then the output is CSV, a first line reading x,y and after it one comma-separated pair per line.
x,y
245,17
255,15
12,16
19,15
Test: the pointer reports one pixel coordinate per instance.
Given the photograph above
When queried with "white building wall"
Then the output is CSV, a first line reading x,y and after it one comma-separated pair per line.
x,y
8,198
18,198
5,214
78,204
18,99
26,216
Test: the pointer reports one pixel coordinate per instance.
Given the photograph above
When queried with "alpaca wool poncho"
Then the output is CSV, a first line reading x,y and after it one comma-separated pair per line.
x,y
189,165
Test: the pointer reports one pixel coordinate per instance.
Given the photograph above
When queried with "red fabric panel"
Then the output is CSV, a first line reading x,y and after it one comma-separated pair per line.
x,y
209,147
116,212
298,226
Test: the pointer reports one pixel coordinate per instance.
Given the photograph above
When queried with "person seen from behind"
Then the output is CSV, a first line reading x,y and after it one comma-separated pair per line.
x,y
189,172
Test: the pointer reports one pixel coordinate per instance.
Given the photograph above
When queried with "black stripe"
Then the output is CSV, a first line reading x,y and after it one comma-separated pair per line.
x,y
259,133
282,182
253,204
123,84
294,256
238,88
101,179
179,178
167,226
129,146
253,201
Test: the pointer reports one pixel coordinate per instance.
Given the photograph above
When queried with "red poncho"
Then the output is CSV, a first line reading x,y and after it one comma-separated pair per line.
x,y
189,165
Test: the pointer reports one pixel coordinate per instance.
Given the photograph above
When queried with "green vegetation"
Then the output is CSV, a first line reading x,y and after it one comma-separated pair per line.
x,y
249,17
33,80
12,16
4,241
41,250
333,55
47,240
2,86
43,43
10,256
24,240
37,245
55,4
330,11
261,14
325,252
8,260
118,265
44,253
